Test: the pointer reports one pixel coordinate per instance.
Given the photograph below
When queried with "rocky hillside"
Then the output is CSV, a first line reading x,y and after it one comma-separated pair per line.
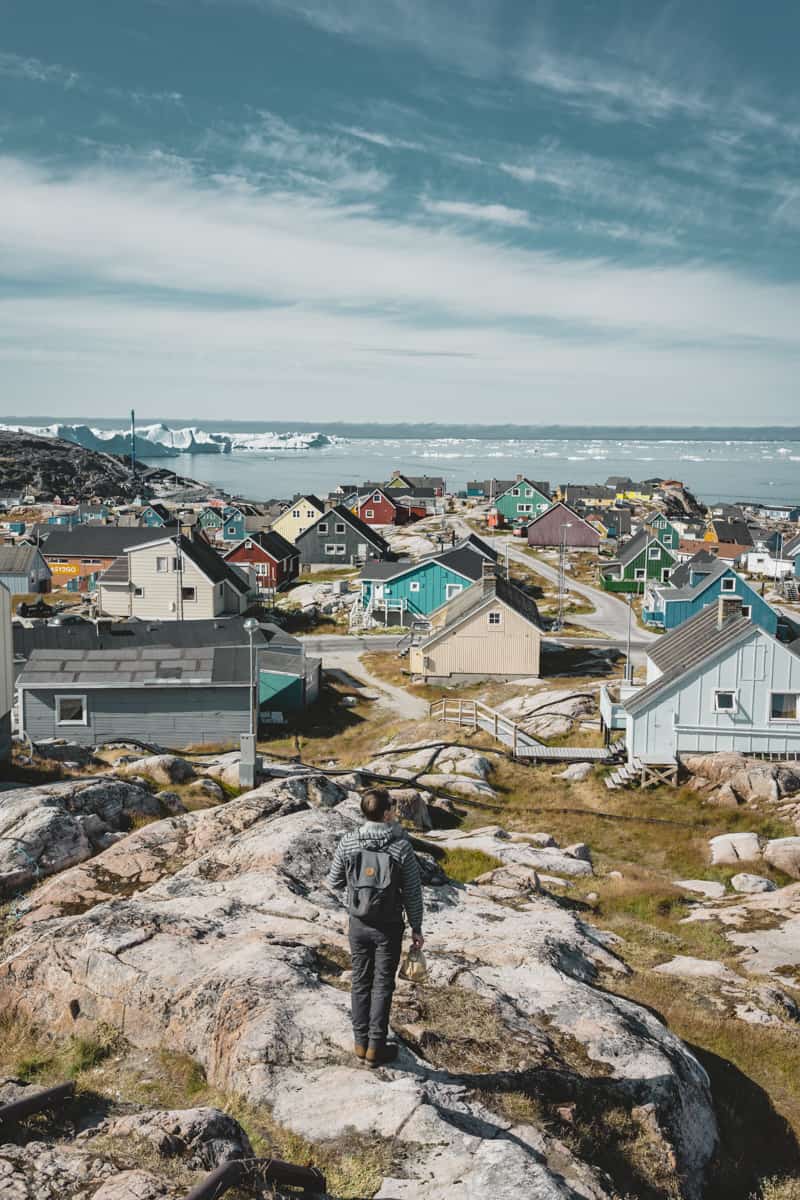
x,y
50,467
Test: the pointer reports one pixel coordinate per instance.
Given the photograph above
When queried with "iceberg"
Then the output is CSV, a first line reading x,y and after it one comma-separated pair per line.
x,y
159,441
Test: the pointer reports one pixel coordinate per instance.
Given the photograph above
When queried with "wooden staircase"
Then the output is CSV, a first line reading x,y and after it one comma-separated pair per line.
x,y
472,714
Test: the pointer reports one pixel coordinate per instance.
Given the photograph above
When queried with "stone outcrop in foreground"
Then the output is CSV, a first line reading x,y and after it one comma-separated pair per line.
x,y
210,933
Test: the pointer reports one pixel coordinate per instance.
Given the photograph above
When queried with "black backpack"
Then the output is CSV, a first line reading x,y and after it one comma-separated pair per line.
x,y
373,887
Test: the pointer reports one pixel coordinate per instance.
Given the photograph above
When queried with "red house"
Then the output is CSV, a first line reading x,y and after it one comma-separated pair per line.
x,y
377,508
275,560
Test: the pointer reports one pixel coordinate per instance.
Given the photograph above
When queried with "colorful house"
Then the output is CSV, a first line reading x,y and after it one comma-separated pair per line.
x,y
78,556
154,516
211,520
338,538
400,480
301,514
378,508
642,559
666,533
700,582
274,560
405,591
719,683
559,525
523,501
491,630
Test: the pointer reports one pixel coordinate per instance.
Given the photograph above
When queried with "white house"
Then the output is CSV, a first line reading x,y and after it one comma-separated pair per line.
x,y
718,682
173,579
763,561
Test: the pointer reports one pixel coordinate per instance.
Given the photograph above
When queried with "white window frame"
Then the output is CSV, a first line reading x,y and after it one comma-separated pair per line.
x,y
138,592
515,491
654,552
310,513
639,574
339,527
726,692
335,549
376,499
414,585
747,611
84,720
162,558
784,720
451,590
189,587
322,527
494,618
665,573
369,514
728,585
296,514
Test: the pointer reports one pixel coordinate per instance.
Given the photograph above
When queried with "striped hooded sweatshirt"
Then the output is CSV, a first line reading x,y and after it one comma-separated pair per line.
x,y
393,840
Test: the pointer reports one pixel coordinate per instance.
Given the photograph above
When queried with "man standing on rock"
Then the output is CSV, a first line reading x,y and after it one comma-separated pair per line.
x,y
379,868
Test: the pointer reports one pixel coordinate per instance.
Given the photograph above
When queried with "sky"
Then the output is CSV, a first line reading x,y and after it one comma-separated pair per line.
x,y
451,210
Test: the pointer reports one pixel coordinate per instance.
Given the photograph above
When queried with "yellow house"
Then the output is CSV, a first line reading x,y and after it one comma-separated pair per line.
x,y
489,630
299,516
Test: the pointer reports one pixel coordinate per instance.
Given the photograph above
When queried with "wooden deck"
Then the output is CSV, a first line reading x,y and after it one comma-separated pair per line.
x,y
474,715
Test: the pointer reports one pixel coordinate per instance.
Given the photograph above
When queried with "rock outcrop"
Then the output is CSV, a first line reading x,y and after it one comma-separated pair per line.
x,y
212,933
46,829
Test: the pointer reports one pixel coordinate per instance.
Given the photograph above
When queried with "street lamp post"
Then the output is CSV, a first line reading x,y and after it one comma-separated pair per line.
x,y
562,581
251,625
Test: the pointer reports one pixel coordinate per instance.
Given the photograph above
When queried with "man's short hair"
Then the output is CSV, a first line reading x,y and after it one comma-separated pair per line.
x,y
375,803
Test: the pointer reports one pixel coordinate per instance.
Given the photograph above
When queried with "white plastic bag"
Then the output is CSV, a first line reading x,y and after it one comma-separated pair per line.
x,y
413,966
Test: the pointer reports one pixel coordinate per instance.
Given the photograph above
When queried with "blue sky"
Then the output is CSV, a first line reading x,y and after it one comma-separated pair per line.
x,y
478,210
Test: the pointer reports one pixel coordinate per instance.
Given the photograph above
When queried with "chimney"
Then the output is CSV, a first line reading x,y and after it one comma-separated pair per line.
x,y
488,578
519,478
729,608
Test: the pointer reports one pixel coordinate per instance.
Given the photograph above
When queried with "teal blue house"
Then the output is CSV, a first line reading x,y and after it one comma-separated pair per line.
x,y
234,525
696,584
523,501
401,592
154,516
211,519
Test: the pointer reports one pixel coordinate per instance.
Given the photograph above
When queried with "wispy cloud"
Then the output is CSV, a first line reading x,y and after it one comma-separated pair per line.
x,y
490,214
380,139
16,66
311,156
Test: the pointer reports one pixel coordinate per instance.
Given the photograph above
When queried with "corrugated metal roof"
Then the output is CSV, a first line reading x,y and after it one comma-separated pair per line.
x,y
18,560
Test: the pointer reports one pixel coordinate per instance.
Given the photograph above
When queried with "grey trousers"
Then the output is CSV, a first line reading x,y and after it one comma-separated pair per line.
x,y
376,955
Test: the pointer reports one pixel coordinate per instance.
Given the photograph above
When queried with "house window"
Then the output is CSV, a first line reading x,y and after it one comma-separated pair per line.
x,y
515,491
248,544
523,508
162,565
665,574
322,527
654,552
376,499
724,702
452,589
310,513
729,585
138,592
296,513
639,574
188,593
231,531
495,617
335,548
71,710
414,586
369,513
747,611
783,706
339,527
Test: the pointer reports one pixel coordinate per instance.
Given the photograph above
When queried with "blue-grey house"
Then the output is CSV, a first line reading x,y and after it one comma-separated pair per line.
x,y
698,583
404,591
717,683
155,516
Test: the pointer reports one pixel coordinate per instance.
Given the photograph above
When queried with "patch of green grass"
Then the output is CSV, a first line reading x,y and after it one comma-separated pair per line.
x,y
466,865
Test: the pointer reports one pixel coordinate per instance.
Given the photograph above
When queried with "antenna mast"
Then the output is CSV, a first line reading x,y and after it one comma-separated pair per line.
x,y
133,444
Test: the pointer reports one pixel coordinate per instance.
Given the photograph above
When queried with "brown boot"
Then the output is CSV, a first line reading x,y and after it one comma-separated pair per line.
x,y
381,1053
359,1051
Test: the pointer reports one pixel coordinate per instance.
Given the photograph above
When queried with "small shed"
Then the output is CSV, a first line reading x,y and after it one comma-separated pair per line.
x,y
23,570
562,524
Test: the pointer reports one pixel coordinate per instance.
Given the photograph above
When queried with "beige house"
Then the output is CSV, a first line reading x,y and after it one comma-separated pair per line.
x,y
172,579
299,516
490,630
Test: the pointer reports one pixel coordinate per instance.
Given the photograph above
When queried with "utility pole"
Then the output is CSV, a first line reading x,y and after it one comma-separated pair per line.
x,y
133,444
628,664
562,572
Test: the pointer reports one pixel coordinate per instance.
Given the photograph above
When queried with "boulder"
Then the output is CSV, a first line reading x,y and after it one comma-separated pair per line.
x,y
459,785
133,1185
579,850
576,772
161,768
204,1137
724,797
171,803
708,888
751,884
695,968
225,769
784,855
550,714
751,780
209,932
209,788
39,1171
412,807
727,849
497,843
50,828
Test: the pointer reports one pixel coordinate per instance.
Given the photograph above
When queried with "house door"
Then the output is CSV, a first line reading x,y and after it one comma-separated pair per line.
x,y
663,742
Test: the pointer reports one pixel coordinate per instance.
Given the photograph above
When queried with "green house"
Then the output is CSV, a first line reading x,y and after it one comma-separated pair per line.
x,y
523,501
643,558
667,534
